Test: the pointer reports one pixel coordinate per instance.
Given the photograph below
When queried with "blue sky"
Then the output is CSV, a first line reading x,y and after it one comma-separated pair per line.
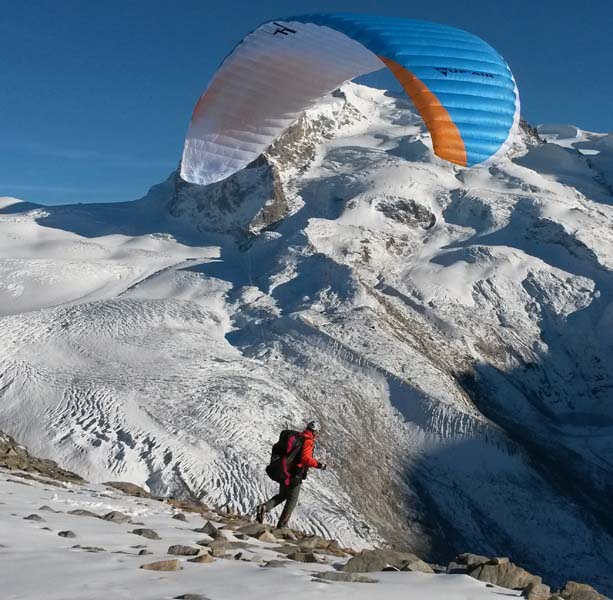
x,y
96,96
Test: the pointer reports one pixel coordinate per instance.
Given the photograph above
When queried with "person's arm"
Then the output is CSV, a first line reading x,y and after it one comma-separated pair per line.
x,y
306,456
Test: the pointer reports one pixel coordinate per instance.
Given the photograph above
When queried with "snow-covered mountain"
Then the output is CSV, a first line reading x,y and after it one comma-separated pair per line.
x,y
450,328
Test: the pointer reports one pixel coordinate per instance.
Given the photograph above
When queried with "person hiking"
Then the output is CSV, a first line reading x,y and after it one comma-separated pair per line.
x,y
292,457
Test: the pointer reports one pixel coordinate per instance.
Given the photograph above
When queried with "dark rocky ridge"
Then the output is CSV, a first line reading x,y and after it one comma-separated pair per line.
x,y
15,457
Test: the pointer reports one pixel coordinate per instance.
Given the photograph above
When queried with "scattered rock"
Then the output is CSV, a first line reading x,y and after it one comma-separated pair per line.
x,y
471,559
116,517
240,545
180,550
163,565
376,560
209,529
81,512
305,557
345,576
275,564
536,591
268,537
194,505
504,574
67,534
202,559
314,542
579,591
34,517
128,488
218,548
417,565
286,534
91,548
335,549
226,534
146,533
179,517
253,530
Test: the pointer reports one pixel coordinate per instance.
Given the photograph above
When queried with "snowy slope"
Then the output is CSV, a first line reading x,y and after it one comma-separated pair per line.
x,y
451,328
102,559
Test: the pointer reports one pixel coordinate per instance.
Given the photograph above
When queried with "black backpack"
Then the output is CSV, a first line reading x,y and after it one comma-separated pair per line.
x,y
285,456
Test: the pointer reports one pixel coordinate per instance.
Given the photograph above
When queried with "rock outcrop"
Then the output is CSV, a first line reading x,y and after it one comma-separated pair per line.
x,y
15,457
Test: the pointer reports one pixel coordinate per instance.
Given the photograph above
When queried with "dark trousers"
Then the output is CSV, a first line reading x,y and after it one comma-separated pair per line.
x,y
288,494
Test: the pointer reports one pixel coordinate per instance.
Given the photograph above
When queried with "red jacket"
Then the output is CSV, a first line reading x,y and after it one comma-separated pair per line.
x,y
306,456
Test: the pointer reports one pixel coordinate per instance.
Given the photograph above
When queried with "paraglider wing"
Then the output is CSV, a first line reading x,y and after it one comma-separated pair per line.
x,y
462,87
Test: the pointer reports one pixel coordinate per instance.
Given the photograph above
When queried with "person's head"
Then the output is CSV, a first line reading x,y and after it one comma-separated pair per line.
x,y
314,427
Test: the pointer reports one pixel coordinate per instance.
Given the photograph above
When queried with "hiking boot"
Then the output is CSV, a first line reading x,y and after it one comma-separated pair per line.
x,y
260,511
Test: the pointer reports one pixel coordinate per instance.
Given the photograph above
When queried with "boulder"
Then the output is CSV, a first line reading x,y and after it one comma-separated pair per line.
x,y
240,546
163,565
67,534
285,533
180,550
417,565
471,559
344,576
499,560
49,509
34,517
335,549
81,512
209,529
369,561
146,533
116,517
314,542
504,574
128,488
268,537
536,591
205,558
454,568
579,591
218,548
194,505
179,517
225,534
253,530
275,564
144,552
191,597
305,557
